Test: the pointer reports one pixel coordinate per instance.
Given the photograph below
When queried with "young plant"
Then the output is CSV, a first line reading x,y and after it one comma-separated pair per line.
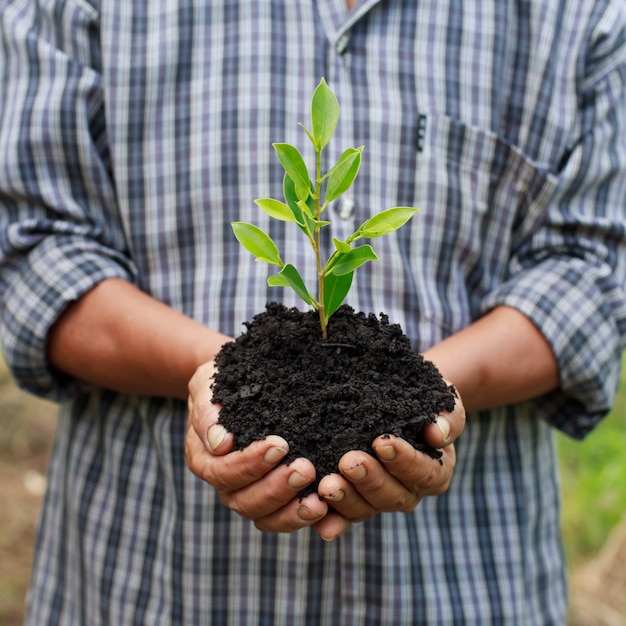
x,y
306,200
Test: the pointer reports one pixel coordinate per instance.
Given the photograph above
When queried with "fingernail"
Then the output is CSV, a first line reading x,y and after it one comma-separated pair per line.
x,y
215,436
335,497
386,453
356,473
297,480
273,455
304,513
444,428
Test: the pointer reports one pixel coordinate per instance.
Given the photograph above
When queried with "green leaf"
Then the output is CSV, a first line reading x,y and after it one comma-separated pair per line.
x,y
255,241
308,132
290,277
292,198
349,261
303,219
336,289
276,209
324,115
294,165
341,246
305,207
343,173
386,222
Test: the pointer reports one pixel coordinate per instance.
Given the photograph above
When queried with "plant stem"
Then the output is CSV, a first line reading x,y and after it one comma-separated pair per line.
x,y
318,244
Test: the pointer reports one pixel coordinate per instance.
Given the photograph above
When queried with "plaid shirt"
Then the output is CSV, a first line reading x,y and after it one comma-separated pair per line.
x,y
133,133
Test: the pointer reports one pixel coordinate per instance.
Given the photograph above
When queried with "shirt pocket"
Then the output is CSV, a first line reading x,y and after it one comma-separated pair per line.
x,y
481,198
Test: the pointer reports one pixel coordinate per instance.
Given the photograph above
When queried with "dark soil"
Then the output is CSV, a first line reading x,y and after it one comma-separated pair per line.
x,y
326,397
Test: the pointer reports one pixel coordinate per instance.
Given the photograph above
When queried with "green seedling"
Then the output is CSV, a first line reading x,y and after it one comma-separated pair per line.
x,y
305,201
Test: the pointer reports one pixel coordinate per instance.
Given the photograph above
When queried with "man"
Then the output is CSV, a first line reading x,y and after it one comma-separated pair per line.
x,y
134,133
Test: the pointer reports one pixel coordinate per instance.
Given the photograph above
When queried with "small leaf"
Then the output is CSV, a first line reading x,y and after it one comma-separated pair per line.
x,y
305,208
386,222
290,277
352,260
324,115
255,241
343,173
341,246
336,289
303,218
303,193
276,209
292,198
308,132
294,165
276,280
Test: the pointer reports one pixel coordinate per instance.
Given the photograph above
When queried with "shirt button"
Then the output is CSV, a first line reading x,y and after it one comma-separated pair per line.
x,y
342,44
345,208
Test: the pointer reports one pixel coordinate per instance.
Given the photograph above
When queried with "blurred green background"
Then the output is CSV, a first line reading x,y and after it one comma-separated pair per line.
x,y
593,519
593,483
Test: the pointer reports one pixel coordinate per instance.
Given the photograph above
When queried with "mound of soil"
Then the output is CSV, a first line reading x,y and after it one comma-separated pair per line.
x,y
328,396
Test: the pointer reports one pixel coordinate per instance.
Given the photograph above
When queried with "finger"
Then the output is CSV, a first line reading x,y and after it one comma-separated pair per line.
x,y
378,487
216,439
447,427
272,492
331,526
231,472
339,493
199,459
199,400
417,471
203,414
294,515
200,383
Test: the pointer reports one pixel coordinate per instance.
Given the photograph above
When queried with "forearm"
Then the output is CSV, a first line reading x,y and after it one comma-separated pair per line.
x,y
120,338
501,359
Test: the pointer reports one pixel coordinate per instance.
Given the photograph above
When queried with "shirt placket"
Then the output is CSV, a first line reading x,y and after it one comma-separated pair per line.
x,y
337,23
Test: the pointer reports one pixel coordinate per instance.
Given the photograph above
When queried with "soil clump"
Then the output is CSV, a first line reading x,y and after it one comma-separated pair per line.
x,y
328,396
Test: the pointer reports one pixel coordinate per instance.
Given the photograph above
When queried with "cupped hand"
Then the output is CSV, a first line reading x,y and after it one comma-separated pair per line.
x,y
364,487
252,482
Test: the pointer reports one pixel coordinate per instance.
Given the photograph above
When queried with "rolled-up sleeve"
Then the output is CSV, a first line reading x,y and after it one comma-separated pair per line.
x,y
60,231
569,277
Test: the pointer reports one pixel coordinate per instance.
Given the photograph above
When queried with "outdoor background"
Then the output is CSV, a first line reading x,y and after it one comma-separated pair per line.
x,y
594,506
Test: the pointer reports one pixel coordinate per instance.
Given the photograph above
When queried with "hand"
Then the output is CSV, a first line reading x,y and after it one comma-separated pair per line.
x,y
366,487
252,482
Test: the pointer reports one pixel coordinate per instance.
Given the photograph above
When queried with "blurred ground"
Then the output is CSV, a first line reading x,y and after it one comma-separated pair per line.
x,y
26,432
598,588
